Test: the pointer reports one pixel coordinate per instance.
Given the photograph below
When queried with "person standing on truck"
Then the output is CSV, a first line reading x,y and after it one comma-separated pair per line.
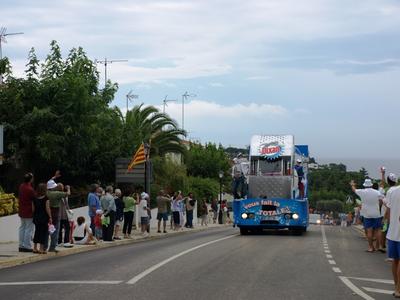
x,y
239,179
300,174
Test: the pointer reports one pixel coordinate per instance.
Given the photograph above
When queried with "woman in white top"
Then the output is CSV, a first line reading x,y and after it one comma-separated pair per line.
x,y
82,233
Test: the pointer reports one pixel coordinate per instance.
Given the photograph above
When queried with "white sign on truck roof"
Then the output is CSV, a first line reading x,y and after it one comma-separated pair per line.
x,y
272,146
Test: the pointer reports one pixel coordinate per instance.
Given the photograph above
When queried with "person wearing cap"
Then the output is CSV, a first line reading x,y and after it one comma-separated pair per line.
x,y
370,201
55,194
393,233
300,174
143,213
26,195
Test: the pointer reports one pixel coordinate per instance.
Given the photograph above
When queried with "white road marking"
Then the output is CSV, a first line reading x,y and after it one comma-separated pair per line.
x,y
61,282
388,281
327,251
328,256
380,291
164,262
355,289
331,261
324,240
336,270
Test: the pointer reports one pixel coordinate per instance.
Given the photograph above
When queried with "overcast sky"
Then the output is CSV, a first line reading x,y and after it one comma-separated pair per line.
x,y
327,71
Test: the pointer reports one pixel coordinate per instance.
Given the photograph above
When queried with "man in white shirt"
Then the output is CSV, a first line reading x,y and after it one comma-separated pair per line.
x,y
143,213
370,199
393,235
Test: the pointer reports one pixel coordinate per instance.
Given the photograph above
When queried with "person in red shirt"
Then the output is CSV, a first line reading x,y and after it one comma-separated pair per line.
x,y
26,194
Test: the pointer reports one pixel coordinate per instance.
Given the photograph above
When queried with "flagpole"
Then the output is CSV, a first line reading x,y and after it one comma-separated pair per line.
x,y
147,169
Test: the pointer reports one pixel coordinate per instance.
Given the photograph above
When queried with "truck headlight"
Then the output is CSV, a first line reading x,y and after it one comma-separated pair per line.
x,y
244,216
295,216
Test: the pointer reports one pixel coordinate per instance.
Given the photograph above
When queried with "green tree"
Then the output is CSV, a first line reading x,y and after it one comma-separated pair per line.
x,y
59,119
207,161
332,182
147,124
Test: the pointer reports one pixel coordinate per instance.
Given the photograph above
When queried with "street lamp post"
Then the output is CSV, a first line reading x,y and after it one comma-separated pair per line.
x,y
184,98
221,175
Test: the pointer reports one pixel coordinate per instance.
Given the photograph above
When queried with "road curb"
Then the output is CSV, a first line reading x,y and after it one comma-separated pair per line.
x,y
85,248
359,229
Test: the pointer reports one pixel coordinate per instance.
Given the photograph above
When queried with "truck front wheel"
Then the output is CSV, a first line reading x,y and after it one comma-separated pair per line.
x,y
243,231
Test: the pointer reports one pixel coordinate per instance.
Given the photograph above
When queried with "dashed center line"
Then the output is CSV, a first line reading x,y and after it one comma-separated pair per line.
x,y
328,256
336,270
332,262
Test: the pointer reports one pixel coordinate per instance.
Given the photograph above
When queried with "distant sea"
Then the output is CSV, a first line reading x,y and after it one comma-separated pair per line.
x,y
371,165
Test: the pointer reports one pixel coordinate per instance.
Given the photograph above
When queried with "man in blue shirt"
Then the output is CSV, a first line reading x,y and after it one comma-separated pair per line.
x,y
300,174
93,204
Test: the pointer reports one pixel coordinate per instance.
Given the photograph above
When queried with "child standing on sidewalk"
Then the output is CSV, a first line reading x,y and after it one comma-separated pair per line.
x,y
98,233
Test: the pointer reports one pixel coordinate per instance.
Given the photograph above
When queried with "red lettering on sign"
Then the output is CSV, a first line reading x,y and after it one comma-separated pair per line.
x,y
270,150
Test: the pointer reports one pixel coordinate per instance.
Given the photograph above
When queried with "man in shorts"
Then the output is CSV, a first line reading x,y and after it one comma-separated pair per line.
x,y
370,200
162,201
393,234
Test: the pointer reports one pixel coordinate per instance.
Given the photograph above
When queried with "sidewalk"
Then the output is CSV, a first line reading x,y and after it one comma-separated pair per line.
x,y
9,255
359,228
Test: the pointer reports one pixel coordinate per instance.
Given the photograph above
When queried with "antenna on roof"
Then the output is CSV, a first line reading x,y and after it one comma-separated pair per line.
x,y
105,62
165,101
3,35
130,97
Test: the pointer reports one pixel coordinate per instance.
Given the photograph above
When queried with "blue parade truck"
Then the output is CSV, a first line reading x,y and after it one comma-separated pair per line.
x,y
276,186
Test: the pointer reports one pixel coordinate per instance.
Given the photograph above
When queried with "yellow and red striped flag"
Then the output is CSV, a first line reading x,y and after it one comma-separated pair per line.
x,y
138,158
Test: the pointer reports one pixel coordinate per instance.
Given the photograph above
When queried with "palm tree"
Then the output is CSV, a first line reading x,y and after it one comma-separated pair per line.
x,y
148,124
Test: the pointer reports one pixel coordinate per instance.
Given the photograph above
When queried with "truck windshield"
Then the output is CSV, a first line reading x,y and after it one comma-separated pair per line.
x,y
261,166
270,167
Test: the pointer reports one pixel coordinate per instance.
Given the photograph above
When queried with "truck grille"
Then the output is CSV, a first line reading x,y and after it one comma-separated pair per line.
x,y
268,207
269,222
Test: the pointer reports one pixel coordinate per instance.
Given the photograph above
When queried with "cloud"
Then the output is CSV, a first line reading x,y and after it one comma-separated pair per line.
x,y
210,121
217,84
180,40
183,69
258,78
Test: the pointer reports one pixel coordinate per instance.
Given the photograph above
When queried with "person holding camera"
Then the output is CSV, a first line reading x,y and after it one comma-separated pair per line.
x,y
190,203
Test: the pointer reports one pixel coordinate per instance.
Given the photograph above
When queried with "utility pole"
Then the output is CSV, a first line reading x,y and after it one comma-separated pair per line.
x,y
105,62
130,97
3,35
165,101
184,98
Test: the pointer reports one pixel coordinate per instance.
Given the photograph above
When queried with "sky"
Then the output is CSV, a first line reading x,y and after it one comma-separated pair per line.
x,y
326,71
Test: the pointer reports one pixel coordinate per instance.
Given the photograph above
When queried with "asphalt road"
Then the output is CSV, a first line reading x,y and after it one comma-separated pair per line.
x,y
214,264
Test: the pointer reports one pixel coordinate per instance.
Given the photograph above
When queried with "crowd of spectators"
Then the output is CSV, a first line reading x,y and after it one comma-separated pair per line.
x,y
47,219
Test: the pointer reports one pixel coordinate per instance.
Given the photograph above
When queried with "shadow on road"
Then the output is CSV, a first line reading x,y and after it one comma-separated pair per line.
x,y
282,232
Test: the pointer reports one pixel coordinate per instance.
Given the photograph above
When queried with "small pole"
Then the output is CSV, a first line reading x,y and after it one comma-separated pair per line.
x,y
3,35
105,62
